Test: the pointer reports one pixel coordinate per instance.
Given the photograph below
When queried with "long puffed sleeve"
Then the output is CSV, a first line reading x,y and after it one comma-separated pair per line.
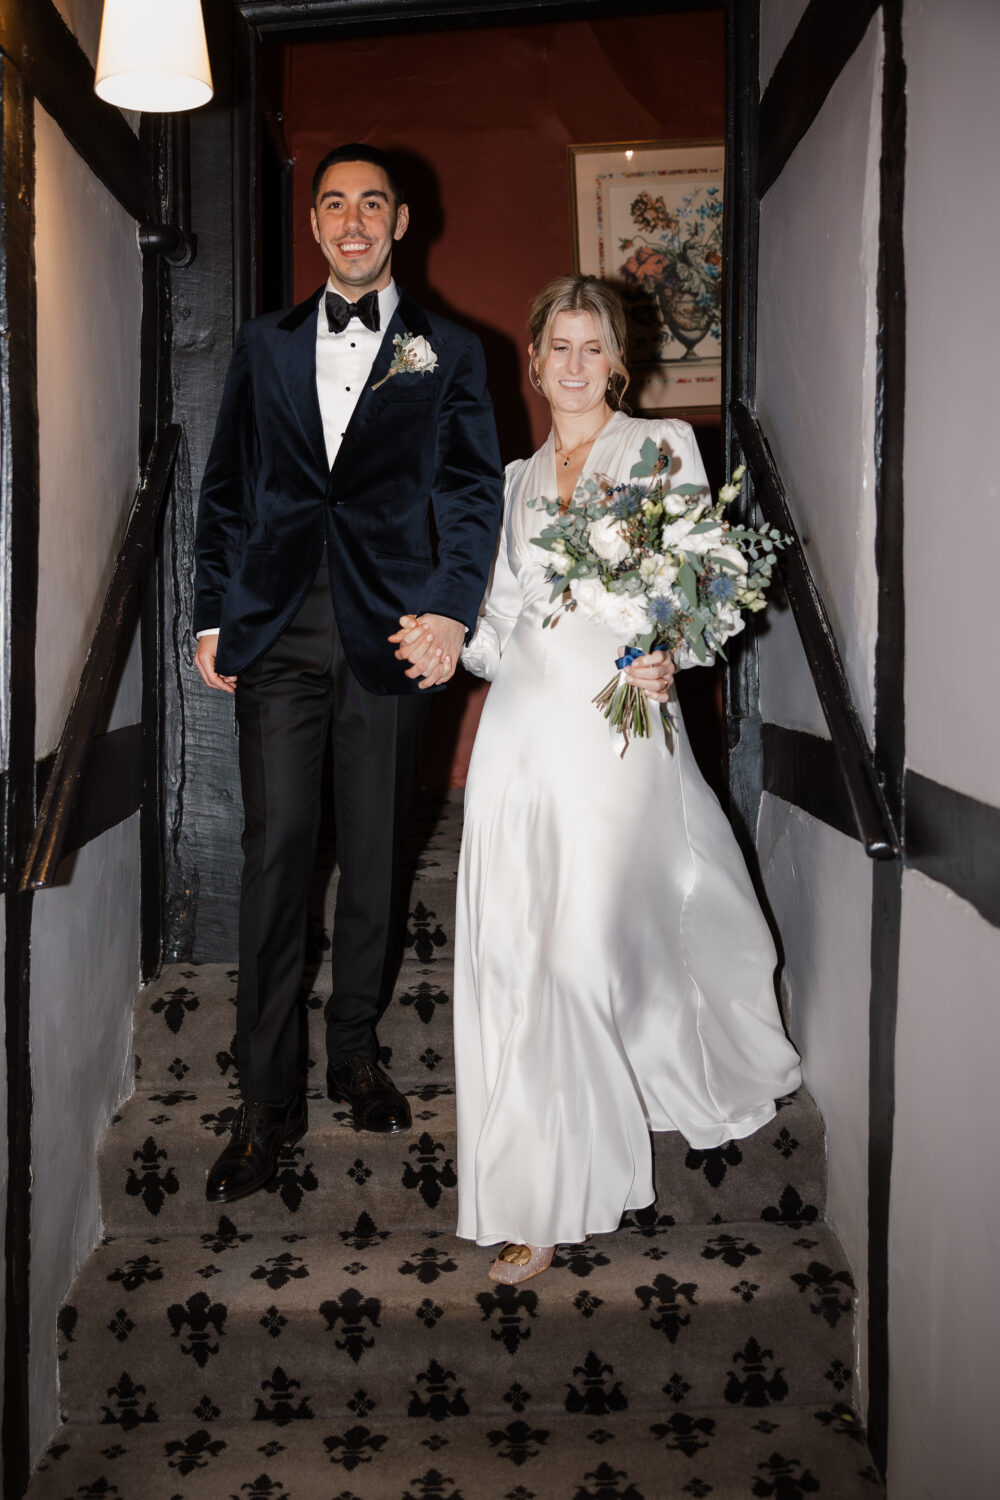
x,y
502,604
681,439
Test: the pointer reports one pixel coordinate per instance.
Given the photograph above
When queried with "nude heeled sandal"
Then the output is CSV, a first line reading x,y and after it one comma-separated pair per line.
x,y
517,1263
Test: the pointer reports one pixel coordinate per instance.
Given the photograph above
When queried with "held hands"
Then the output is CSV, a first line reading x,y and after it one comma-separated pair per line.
x,y
653,673
204,660
431,644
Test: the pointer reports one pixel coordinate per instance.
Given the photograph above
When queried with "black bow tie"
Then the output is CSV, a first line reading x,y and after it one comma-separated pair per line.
x,y
339,311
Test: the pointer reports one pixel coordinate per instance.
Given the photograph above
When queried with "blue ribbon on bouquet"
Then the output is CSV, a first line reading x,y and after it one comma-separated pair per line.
x,y
623,662
632,653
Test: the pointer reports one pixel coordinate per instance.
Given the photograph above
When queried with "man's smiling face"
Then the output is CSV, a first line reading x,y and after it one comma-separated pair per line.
x,y
355,222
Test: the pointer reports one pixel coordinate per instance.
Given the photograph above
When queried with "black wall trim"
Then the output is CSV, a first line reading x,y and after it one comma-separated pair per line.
x,y
955,840
802,769
875,822
161,141
110,786
950,837
741,695
824,41
19,492
890,702
36,39
302,20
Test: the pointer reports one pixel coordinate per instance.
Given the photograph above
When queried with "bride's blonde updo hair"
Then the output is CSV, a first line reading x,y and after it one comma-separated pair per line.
x,y
576,294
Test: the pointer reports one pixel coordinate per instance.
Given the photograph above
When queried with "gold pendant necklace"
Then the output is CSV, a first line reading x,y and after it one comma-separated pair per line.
x,y
593,435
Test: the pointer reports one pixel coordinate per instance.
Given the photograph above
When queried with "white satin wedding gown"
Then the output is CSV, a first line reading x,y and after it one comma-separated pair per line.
x,y
613,971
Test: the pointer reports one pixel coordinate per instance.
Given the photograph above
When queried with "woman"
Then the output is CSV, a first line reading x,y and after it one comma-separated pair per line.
x,y
613,972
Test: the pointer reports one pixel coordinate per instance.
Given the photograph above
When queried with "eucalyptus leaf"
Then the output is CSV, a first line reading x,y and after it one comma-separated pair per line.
x,y
649,457
688,583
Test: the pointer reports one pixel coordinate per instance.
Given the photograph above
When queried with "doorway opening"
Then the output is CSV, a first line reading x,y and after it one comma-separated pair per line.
x,y
480,121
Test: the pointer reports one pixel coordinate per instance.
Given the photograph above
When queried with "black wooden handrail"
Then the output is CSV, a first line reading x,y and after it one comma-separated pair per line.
x,y
875,825
106,649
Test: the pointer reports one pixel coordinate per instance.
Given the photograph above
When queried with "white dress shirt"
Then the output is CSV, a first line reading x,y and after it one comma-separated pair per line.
x,y
343,364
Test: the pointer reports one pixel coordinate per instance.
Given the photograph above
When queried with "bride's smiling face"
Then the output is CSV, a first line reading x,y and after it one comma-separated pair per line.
x,y
575,375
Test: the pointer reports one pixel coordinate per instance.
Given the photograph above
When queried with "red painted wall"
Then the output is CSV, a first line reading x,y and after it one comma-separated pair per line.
x,y
480,121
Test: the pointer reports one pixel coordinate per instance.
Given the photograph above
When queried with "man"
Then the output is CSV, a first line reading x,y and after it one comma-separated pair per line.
x,y
350,428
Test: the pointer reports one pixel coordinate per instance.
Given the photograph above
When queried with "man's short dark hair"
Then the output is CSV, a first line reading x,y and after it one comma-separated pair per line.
x,y
355,152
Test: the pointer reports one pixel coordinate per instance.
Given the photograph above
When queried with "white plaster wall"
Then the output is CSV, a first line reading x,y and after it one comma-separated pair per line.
x,y
85,932
944,1308
944,1229
951,232
816,324
818,884
83,17
788,694
84,977
89,310
778,20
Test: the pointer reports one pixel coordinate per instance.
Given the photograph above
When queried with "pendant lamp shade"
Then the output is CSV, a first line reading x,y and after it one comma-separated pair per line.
x,y
153,55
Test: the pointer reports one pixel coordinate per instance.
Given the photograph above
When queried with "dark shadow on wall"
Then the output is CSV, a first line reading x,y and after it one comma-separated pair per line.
x,y
410,259
503,366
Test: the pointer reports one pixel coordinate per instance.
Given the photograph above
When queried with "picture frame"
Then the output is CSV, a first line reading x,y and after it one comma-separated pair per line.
x,y
647,217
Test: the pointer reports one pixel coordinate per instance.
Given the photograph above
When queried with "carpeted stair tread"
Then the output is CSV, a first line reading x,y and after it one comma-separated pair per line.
x,y
330,1338
154,1159
185,1027
675,1453
755,1309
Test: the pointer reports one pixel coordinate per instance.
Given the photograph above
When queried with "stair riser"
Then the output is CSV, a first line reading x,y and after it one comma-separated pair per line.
x,y
335,1173
387,1361
725,1454
188,1040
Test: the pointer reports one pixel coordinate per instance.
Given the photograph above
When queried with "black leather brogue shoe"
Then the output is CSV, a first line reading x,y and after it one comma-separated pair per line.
x,y
251,1157
375,1101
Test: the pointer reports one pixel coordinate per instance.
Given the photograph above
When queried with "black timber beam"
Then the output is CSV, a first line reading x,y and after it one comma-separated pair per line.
x,y
309,20
36,40
823,42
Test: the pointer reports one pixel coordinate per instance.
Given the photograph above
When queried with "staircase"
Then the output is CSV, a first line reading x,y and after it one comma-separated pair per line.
x,y
330,1339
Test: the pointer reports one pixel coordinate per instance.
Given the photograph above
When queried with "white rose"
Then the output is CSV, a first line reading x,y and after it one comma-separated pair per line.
x,y
664,578
607,540
680,536
680,505
419,355
625,614
731,555
560,562
728,621
657,573
590,595
673,534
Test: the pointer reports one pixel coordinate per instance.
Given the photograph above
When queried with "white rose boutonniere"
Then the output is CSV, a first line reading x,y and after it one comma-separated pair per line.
x,y
413,355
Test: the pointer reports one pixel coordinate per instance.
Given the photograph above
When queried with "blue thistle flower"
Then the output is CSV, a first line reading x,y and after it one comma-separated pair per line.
x,y
662,611
721,589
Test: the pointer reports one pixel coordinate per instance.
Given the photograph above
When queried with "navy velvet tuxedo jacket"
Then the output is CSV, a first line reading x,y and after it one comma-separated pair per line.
x,y
410,510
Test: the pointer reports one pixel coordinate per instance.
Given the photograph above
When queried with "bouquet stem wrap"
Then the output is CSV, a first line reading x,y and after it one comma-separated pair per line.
x,y
626,707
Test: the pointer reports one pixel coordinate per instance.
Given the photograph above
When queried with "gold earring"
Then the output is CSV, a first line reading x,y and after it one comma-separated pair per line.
x,y
533,379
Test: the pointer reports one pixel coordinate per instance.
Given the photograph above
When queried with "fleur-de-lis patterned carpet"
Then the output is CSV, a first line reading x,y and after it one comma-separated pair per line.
x,y
330,1339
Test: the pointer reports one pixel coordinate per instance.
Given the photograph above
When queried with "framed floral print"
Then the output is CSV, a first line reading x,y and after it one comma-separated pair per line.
x,y
647,217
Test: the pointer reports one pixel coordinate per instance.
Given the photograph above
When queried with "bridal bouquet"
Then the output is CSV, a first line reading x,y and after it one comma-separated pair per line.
x,y
658,565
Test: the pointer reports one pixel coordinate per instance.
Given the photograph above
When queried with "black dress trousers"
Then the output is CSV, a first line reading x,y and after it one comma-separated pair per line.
x,y
288,702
